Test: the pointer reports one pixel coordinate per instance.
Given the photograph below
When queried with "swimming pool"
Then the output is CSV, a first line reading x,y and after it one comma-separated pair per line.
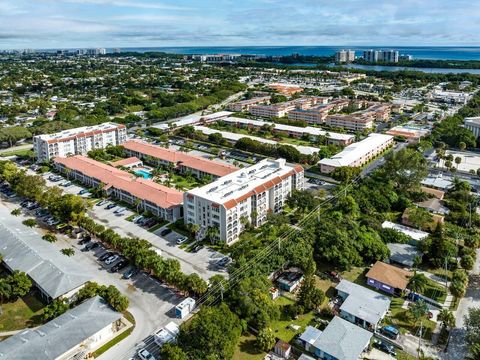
x,y
143,173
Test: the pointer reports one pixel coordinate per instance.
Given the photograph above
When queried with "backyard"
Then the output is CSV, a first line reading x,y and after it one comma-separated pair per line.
x,y
21,313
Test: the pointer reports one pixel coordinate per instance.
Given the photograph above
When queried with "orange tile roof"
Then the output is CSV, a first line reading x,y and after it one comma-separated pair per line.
x,y
389,275
144,189
180,158
126,162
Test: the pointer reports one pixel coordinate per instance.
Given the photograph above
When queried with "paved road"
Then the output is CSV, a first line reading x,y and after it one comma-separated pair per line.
x,y
457,349
15,148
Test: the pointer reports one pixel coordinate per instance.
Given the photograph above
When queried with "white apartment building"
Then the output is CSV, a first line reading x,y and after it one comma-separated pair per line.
x,y
473,124
381,55
344,56
245,195
358,154
78,141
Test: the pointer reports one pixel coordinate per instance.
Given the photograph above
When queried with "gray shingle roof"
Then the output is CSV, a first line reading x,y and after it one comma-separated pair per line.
x,y
23,249
61,334
362,302
403,253
343,340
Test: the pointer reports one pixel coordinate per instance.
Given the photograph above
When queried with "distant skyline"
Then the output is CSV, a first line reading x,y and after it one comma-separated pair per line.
x,y
149,23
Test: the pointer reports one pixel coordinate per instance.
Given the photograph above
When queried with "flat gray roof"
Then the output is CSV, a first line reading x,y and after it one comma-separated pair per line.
x,y
24,249
363,303
343,340
60,335
403,253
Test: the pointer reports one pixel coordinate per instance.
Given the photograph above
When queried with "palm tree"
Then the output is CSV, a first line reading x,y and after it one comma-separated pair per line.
x,y
474,352
417,282
447,318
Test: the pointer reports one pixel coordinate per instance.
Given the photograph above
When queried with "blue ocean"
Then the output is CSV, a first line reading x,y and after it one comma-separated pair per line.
x,y
418,52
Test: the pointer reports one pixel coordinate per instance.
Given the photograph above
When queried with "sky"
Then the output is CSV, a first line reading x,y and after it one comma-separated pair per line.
x,y
147,23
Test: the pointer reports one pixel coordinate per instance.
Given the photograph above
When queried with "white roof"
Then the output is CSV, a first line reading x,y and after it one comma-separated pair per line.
x,y
242,181
357,150
294,129
363,303
167,334
193,119
413,233
472,120
76,131
305,150
187,302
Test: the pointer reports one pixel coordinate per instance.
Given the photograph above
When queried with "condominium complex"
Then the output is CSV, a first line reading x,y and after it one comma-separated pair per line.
x,y
78,141
245,105
282,109
218,58
317,114
473,124
343,56
358,154
381,55
246,195
146,195
184,162
352,122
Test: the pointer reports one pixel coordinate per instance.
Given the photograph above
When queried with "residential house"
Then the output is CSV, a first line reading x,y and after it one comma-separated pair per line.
x,y
388,278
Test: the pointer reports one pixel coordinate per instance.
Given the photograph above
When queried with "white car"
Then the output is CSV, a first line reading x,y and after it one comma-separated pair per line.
x,y
120,210
181,240
145,355
111,259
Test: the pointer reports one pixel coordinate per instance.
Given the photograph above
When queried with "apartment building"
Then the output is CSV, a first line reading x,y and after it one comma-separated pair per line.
x,y
147,195
246,195
343,56
282,109
381,55
358,154
245,105
294,131
352,122
183,162
78,141
473,124
317,114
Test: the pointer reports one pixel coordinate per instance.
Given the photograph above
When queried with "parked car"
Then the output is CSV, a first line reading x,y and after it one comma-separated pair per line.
x,y
112,259
224,261
91,246
165,232
390,332
120,211
136,218
67,184
105,256
82,192
181,240
102,202
84,241
110,206
64,227
145,355
386,348
130,273
119,266
197,248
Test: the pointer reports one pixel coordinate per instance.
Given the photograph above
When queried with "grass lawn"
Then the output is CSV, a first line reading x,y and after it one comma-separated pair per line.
x,y
22,313
401,355
158,226
246,349
435,291
21,152
402,319
280,327
112,342
355,275
181,182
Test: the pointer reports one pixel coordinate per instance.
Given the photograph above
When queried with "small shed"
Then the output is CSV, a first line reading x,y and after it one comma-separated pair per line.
x,y
184,308
283,349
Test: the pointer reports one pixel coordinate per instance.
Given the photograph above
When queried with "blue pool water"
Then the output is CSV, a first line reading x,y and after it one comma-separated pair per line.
x,y
143,173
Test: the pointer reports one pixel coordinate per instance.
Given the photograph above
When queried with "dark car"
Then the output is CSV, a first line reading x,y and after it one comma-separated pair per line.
x,y
105,256
197,248
119,266
386,348
130,273
91,246
110,206
165,232
84,241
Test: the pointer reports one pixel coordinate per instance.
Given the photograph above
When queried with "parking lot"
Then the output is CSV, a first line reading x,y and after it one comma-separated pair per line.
x,y
203,262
